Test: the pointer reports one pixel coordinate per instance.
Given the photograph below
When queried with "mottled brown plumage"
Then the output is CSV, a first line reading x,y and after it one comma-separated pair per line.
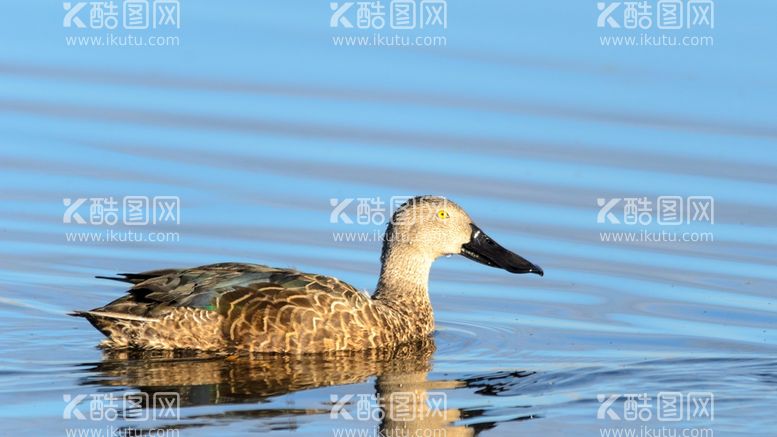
x,y
255,308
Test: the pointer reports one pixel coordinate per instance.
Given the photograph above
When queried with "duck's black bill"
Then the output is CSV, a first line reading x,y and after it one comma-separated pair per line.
x,y
483,249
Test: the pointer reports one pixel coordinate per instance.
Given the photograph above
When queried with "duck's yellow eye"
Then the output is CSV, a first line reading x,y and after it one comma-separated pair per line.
x,y
443,214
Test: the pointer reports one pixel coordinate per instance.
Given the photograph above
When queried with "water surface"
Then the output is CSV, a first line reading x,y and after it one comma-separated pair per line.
x,y
256,122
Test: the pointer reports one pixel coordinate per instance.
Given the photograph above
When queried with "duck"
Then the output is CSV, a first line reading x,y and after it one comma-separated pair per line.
x,y
240,307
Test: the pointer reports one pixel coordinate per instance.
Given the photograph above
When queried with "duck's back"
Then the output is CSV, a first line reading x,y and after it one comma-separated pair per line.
x,y
240,306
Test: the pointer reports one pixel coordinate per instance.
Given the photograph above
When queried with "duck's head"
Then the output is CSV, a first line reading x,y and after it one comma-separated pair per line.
x,y
436,226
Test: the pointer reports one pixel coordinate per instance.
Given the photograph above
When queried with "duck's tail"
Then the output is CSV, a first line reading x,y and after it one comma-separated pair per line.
x,y
184,328
93,315
120,328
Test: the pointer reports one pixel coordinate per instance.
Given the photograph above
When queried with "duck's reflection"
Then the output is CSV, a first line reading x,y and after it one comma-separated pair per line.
x,y
407,403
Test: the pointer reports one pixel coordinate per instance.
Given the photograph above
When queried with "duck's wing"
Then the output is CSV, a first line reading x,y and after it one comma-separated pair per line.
x,y
210,287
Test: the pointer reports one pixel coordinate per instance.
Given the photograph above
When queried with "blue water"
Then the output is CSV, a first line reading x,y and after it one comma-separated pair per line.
x,y
256,120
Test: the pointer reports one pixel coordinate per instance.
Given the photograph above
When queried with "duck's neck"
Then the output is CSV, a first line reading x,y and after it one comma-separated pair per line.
x,y
404,278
